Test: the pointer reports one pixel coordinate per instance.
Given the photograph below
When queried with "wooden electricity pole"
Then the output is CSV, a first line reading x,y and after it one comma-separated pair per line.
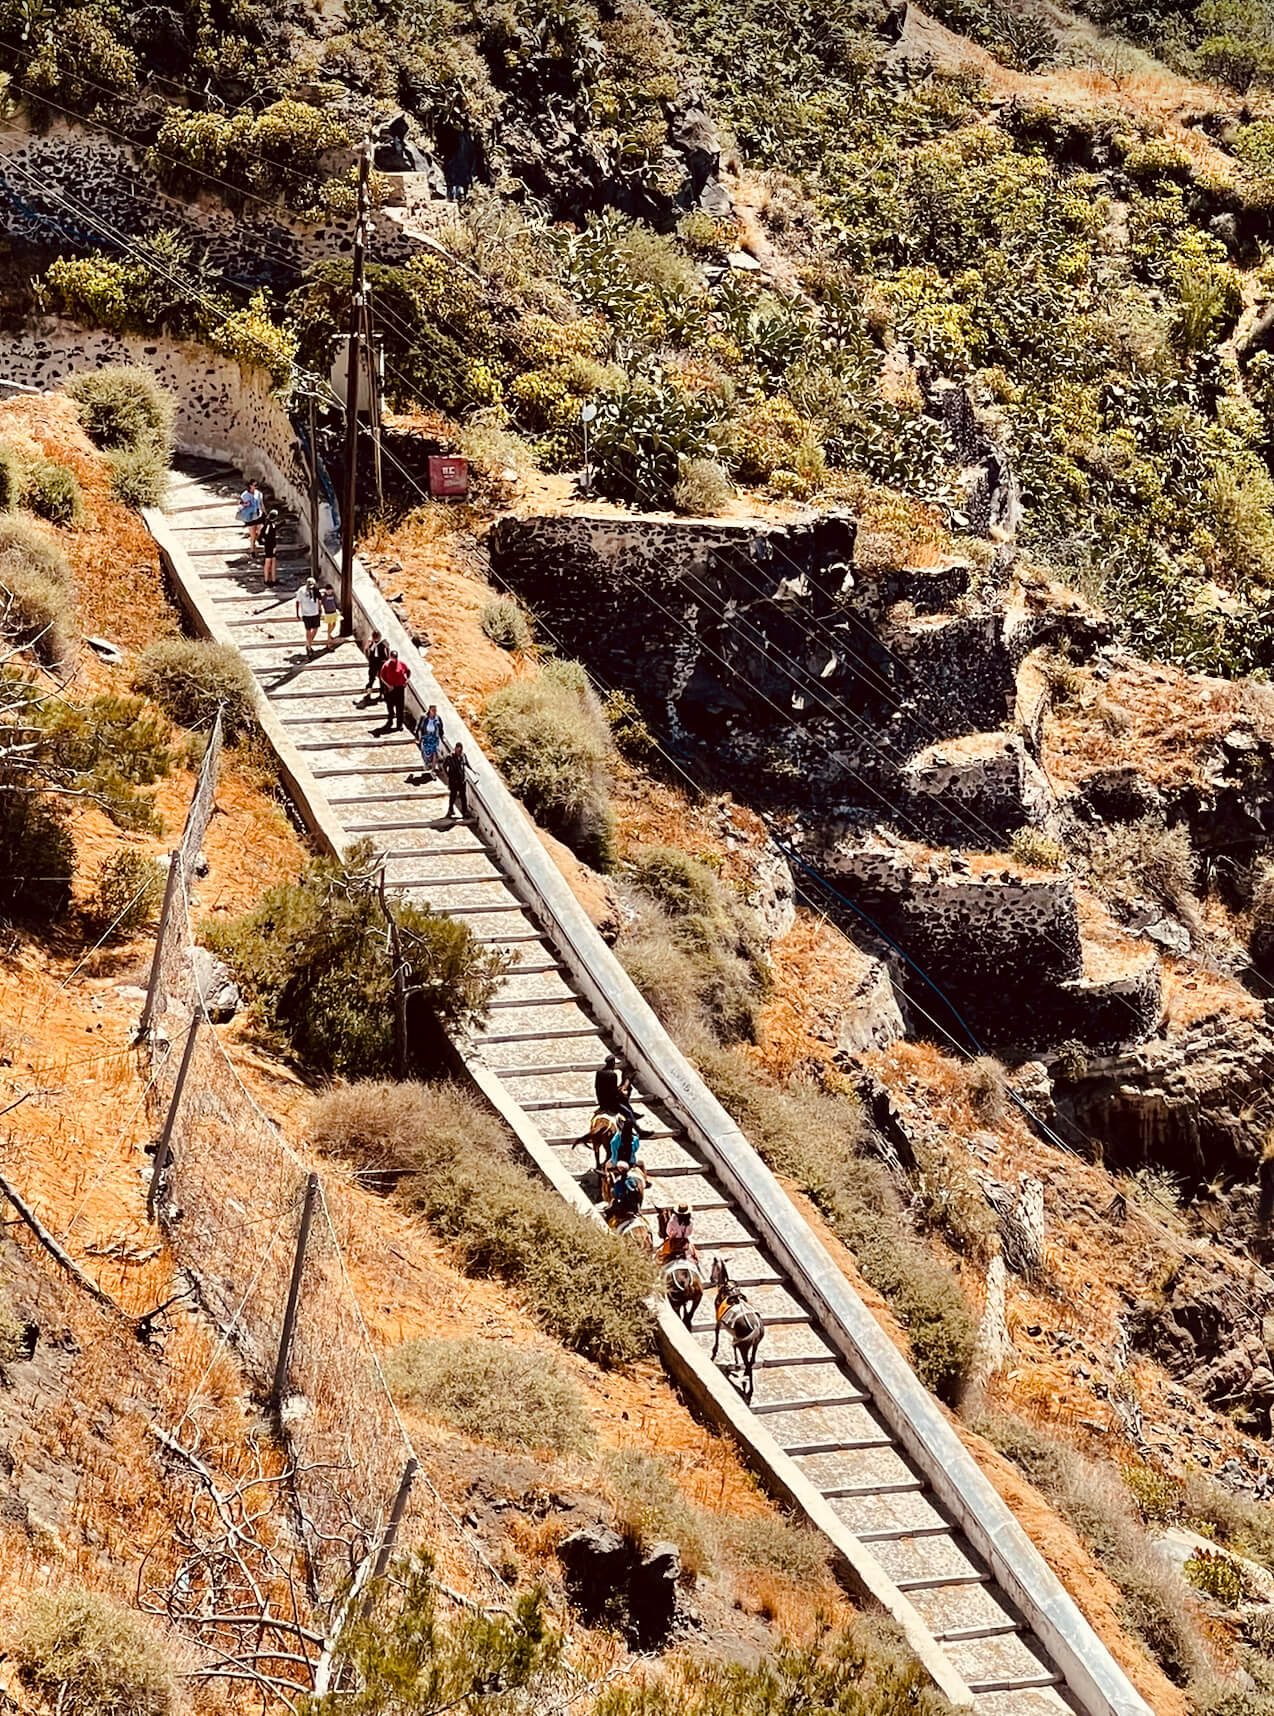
x,y
357,309
315,568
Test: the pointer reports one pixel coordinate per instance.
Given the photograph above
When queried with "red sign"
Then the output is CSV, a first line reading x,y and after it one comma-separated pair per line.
x,y
448,476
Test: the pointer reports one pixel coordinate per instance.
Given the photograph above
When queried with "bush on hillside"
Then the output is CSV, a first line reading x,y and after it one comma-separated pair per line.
x,y
583,1285
772,1544
127,893
865,1669
36,614
507,623
191,679
397,1656
124,407
88,1655
649,1507
12,472
110,747
516,1397
551,740
695,950
1145,857
139,476
632,736
312,957
28,545
37,855
52,491
703,488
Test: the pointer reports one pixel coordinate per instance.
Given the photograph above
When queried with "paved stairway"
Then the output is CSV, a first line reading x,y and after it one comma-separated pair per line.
x,y
542,1042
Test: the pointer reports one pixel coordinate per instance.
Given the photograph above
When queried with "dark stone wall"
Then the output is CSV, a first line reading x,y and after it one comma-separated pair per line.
x,y
106,181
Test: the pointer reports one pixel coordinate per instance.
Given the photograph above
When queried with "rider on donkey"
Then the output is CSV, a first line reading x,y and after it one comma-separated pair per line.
x,y
677,1230
628,1193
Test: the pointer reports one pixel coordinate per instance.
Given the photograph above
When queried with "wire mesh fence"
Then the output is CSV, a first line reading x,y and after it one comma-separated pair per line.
x,y
231,1194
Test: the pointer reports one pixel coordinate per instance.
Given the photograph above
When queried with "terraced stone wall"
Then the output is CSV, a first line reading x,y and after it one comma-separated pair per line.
x,y
70,188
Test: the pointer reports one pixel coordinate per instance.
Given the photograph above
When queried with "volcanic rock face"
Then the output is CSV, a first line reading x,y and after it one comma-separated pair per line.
x,y
1193,1104
1212,1329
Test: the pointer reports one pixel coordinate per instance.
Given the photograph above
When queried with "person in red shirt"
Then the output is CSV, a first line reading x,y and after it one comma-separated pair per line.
x,y
393,684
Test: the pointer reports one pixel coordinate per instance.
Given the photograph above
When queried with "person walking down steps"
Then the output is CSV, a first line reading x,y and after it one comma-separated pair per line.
x,y
252,512
429,734
331,612
393,686
308,609
456,769
377,656
270,548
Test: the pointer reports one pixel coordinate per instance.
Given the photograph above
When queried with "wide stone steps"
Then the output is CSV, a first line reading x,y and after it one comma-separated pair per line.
x,y
542,1042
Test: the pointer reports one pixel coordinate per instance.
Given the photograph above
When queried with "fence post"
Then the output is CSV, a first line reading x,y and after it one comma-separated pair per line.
x,y
391,1530
294,1291
152,988
164,1147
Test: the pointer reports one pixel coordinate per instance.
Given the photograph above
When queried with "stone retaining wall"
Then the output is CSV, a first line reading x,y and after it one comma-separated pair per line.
x,y
224,411
105,181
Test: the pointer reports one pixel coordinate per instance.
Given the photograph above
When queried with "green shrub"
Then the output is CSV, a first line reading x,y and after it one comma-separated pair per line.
x,y
695,950
772,1544
1031,846
127,894
12,473
87,1655
1240,1522
1157,1495
397,1657
506,623
649,1507
551,740
124,407
633,738
866,1669
110,747
37,855
1216,1575
36,614
513,1396
191,679
52,491
313,959
139,476
584,1285
28,545
703,488
492,450
1147,857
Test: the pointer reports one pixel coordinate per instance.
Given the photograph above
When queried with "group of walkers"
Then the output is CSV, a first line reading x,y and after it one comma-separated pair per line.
x,y
388,674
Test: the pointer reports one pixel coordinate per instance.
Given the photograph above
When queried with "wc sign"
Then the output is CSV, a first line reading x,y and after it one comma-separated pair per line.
x,y
448,476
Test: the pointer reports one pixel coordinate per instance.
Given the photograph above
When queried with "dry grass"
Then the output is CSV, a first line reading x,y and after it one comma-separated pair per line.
x,y
507,1395
1172,718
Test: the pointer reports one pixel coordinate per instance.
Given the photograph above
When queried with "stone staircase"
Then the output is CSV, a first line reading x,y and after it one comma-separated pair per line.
x,y
544,1046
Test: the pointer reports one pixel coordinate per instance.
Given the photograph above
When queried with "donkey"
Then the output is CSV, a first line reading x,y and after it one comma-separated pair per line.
x,y
744,1322
683,1283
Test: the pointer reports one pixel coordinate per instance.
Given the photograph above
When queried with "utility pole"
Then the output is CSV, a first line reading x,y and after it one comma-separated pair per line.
x,y
356,318
315,572
375,370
